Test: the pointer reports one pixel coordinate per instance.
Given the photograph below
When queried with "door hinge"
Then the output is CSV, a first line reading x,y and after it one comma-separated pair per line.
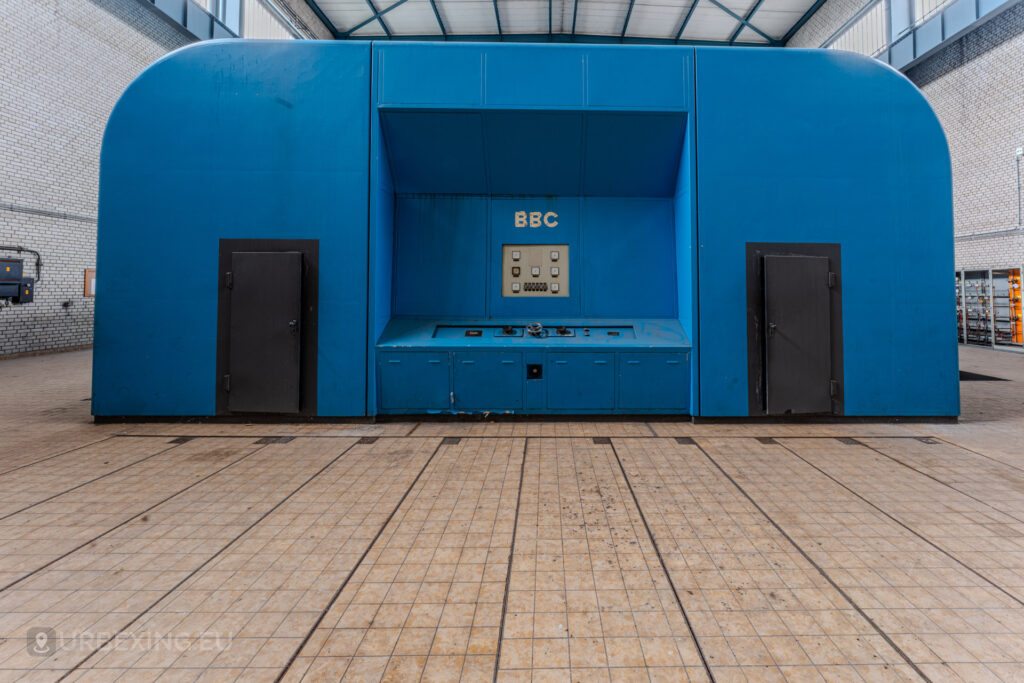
x,y
833,388
227,383
229,280
832,279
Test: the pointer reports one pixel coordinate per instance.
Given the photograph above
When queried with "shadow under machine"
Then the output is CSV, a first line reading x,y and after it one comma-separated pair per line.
x,y
408,229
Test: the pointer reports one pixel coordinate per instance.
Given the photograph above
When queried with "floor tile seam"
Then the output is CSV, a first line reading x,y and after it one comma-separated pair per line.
x,y
820,570
908,528
170,447
196,570
351,572
127,521
664,567
57,455
511,556
943,483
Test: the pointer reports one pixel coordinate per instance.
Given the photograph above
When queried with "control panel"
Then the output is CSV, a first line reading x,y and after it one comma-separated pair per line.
x,y
535,270
536,331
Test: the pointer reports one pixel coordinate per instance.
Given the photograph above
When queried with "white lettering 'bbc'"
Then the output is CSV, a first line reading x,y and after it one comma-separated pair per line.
x,y
536,219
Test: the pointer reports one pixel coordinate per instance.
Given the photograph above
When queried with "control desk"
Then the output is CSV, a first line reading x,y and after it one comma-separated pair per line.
x,y
533,366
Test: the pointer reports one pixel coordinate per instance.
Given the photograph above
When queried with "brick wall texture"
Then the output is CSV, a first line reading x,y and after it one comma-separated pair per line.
x,y
63,64
976,87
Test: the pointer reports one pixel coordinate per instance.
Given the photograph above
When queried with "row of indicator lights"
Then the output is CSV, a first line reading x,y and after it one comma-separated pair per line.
x,y
535,271
518,255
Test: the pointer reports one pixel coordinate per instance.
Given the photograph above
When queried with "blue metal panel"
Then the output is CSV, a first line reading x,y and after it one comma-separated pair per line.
x,y
425,158
414,382
655,141
647,78
488,382
808,146
440,256
654,382
580,382
629,258
410,75
515,75
535,152
258,162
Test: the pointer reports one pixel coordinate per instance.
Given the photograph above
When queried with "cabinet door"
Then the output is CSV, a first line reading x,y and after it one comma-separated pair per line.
x,y
654,382
414,382
581,381
488,381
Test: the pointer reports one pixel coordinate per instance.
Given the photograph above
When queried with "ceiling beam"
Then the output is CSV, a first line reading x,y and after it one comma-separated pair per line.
x,y
625,23
740,19
437,15
373,8
686,20
736,33
803,20
497,18
376,17
323,18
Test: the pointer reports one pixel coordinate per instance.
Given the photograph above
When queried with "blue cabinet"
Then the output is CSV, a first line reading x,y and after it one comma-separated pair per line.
x,y
654,382
415,382
488,381
581,381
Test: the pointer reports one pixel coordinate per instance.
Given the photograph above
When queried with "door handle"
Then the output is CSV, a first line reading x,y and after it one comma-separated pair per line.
x,y
771,329
293,326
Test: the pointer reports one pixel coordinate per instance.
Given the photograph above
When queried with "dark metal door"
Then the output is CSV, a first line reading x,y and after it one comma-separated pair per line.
x,y
265,290
798,352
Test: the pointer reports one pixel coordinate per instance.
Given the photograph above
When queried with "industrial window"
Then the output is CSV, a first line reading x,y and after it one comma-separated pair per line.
x,y
924,9
866,33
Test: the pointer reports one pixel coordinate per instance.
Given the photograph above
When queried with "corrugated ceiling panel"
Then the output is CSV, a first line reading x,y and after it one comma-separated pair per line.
x,y
775,24
652,19
468,17
600,17
345,14
524,16
412,18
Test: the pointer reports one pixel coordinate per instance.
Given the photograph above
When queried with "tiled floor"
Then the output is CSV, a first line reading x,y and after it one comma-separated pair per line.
x,y
509,550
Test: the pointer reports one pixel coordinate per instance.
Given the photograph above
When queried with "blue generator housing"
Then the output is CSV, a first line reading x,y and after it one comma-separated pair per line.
x,y
346,229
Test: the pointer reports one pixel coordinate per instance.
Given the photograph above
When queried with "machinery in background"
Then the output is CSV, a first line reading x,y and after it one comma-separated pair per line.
x,y
15,288
989,311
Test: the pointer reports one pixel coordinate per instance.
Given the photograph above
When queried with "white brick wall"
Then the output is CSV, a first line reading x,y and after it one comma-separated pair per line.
x,y
976,87
63,64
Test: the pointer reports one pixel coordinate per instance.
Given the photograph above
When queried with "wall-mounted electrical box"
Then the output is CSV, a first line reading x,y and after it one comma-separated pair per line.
x,y
13,285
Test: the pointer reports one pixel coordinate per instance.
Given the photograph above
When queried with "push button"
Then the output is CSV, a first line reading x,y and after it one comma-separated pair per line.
x,y
515,286
554,286
535,271
516,255
515,271
554,256
554,271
